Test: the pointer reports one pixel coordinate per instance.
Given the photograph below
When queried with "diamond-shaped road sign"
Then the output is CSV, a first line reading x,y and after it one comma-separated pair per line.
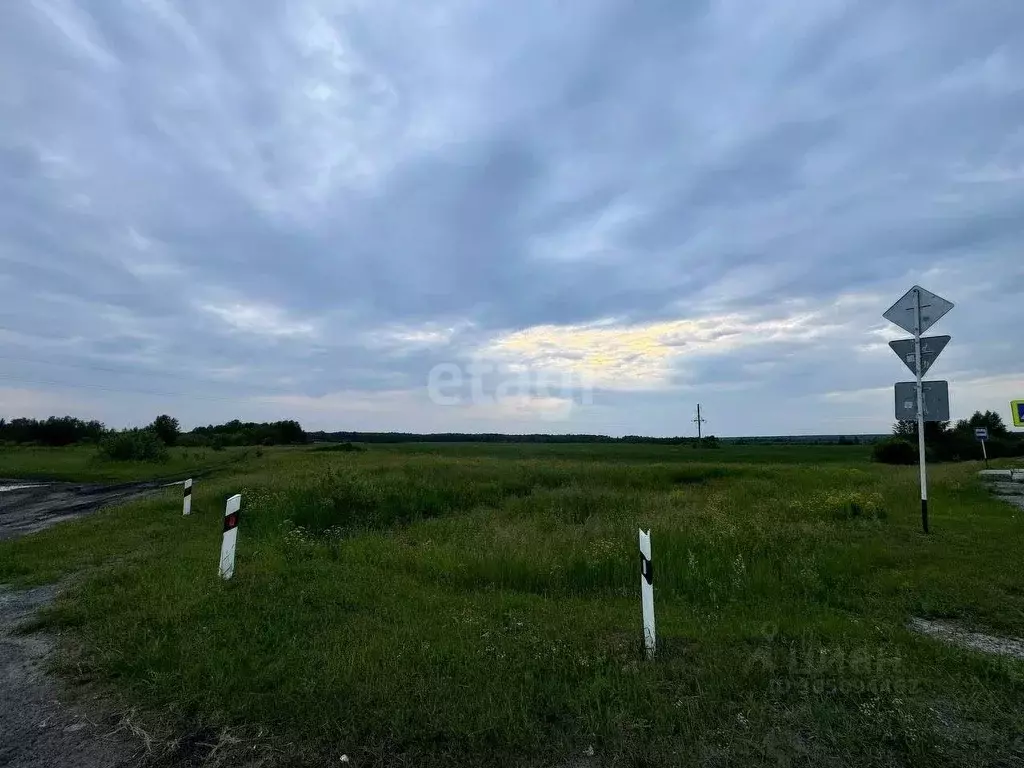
x,y
936,400
931,348
904,312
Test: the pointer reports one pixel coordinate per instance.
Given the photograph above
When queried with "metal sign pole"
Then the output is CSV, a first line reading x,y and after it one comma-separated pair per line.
x,y
920,412
984,453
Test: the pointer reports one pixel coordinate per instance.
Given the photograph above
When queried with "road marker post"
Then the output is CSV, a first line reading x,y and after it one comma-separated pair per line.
x,y
647,592
232,510
186,508
916,312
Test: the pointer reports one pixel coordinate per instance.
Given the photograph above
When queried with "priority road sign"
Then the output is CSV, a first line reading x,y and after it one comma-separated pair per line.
x,y
1017,408
931,348
904,312
936,400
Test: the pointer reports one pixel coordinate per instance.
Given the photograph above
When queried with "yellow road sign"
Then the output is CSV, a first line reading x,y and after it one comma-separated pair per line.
x,y
1017,407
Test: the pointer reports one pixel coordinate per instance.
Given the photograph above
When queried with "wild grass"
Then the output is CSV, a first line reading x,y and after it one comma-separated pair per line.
x,y
85,463
435,605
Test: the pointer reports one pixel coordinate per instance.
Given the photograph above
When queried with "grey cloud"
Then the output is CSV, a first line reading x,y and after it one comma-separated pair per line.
x,y
388,166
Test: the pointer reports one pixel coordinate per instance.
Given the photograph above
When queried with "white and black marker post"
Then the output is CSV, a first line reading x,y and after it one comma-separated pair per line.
x,y
647,592
227,548
186,505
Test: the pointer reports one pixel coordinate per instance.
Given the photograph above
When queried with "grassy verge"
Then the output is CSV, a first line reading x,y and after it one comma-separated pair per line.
x,y
435,605
84,464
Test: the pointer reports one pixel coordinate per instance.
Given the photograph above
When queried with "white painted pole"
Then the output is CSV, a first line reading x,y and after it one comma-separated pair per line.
x,y
227,548
920,411
647,592
187,503
984,455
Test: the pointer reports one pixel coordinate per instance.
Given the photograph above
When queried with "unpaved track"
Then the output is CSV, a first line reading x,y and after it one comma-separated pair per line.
x,y
29,508
38,728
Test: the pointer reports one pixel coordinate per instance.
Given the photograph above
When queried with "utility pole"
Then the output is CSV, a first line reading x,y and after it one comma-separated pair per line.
x,y
699,421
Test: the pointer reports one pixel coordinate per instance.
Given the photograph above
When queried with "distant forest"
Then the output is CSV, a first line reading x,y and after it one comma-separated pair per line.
x,y
68,430
464,437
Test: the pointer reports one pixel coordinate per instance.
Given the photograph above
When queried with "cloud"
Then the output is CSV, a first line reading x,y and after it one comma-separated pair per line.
x,y
284,208
262,320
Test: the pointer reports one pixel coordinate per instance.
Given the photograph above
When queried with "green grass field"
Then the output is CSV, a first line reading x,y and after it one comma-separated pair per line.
x,y
83,464
479,605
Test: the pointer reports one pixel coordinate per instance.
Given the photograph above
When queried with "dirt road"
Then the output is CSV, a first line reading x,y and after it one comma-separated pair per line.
x,y
41,725
40,729
27,507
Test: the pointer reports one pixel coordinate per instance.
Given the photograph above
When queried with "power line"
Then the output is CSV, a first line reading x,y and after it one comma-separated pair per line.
x,y
699,421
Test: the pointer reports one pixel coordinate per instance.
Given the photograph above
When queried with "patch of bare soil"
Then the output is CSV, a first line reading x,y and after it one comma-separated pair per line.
x,y
964,638
40,728
28,508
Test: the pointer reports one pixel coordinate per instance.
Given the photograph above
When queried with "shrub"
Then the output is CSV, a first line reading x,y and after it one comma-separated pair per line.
x,y
133,445
340,448
193,440
895,450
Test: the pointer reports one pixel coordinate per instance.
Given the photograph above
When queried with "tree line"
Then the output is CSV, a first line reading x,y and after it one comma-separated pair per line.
x,y
57,431
951,443
494,437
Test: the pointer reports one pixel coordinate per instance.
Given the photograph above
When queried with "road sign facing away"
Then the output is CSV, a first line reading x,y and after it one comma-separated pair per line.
x,y
904,312
936,400
1017,407
931,348
981,433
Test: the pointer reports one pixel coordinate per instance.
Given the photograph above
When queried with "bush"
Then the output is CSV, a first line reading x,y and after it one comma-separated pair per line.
x,y
133,445
340,448
895,450
192,440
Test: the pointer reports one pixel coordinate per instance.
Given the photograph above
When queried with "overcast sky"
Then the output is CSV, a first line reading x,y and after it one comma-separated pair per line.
x,y
595,214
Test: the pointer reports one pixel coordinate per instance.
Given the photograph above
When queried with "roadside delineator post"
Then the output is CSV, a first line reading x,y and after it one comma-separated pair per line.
x,y
186,508
227,548
647,592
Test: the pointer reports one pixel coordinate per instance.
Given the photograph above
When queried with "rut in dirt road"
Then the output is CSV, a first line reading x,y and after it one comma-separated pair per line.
x,y
27,507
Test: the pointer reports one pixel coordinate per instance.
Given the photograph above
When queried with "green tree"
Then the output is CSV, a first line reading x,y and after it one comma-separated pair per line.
x,y
989,420
933,430
167,429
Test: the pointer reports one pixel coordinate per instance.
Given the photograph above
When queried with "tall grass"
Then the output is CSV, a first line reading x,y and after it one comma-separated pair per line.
x,y
427,606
